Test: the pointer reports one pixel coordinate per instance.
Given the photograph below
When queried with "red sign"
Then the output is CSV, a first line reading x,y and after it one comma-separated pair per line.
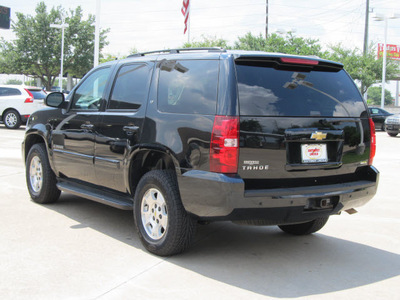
x,y
392,51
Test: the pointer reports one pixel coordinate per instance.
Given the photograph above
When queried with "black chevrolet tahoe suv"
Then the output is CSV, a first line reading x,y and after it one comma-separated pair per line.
x,y
190,136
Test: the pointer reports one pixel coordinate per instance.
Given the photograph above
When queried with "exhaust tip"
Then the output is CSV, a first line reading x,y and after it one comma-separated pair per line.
x,y
351,211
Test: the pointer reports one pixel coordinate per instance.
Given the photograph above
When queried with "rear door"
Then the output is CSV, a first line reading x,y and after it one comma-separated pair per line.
x,y
302,122
11,98
121,124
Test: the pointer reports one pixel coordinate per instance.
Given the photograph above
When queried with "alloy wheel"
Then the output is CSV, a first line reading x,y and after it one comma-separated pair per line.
x,y
36,174
154,214
11,120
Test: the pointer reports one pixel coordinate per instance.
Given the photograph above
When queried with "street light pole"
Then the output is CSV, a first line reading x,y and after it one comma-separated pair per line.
x,y
381,17
384,66
62,27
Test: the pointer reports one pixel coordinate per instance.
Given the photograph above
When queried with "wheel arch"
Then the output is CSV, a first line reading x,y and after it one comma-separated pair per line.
x,y
18,115
148,159
7,110
32,139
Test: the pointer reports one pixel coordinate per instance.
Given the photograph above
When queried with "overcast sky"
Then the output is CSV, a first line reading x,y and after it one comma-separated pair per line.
x,y
158,24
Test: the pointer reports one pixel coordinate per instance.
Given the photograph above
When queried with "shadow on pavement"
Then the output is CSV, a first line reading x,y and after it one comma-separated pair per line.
x,y
3,127
262,260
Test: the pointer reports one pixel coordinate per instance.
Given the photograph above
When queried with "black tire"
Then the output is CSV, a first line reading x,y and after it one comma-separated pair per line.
x,y
12,119
392,134
305,228
40,178
162,223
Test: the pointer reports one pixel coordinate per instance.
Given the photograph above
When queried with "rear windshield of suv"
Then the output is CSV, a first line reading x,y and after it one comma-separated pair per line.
x,y
265,91
38,94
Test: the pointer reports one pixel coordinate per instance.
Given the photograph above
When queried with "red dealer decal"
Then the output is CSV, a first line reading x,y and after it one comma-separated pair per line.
x,y
314,152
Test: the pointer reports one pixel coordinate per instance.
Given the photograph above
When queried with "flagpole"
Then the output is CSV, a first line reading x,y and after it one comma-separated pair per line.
x,y
186,15
97,34
189,21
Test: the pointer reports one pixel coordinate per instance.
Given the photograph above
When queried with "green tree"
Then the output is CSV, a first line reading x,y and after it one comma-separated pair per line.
x,y
37,47
289,44
366,69
207,42
14,81
108,57
375,94
250,42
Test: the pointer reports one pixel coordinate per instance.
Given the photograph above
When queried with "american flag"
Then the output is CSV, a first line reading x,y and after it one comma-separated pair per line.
x,y
185,13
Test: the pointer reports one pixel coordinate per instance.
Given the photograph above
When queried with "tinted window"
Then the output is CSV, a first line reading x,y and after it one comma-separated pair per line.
x,y
374,111
267,91
9,92
130,88
38,94
89,94
188,86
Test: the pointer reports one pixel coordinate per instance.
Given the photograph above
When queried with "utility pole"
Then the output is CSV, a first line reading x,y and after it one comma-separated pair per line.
x,y
266,20
365,51
366,28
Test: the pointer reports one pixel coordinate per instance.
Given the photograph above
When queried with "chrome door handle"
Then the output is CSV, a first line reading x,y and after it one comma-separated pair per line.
x,y
130,129
87,126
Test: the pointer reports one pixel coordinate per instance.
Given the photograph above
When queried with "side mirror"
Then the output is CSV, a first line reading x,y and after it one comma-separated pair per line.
x,y
55,99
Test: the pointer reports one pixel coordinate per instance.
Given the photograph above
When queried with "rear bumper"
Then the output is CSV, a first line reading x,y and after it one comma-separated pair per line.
x,y
24,118
220,197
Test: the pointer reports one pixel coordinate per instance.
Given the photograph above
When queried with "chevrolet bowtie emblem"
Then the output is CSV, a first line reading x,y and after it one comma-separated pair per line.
x,y
319,136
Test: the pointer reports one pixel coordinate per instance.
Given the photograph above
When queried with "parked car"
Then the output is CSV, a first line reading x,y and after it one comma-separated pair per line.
x,y
17,103
392,125
185,136
379,116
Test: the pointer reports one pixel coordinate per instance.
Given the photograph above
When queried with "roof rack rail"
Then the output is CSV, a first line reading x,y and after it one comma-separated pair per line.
x,y
175,51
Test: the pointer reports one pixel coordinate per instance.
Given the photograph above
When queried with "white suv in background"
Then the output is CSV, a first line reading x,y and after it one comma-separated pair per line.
x,y
17,103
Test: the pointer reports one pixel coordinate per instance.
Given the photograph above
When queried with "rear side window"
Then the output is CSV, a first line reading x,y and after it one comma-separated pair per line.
x,y
188,87
265,91
9,92
130,87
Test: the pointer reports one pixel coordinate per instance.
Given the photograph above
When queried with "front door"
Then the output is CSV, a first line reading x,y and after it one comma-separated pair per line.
x,y
74,137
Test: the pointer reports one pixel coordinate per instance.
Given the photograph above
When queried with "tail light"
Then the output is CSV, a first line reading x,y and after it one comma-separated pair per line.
x,y
30,98
224,148
372,150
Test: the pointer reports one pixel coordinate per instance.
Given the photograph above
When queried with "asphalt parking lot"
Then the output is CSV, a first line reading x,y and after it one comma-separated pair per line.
x,y
78,249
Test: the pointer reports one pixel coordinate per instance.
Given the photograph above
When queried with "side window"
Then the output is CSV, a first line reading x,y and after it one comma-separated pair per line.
x,y
89,94
130,87
14,92
9,92
188,86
